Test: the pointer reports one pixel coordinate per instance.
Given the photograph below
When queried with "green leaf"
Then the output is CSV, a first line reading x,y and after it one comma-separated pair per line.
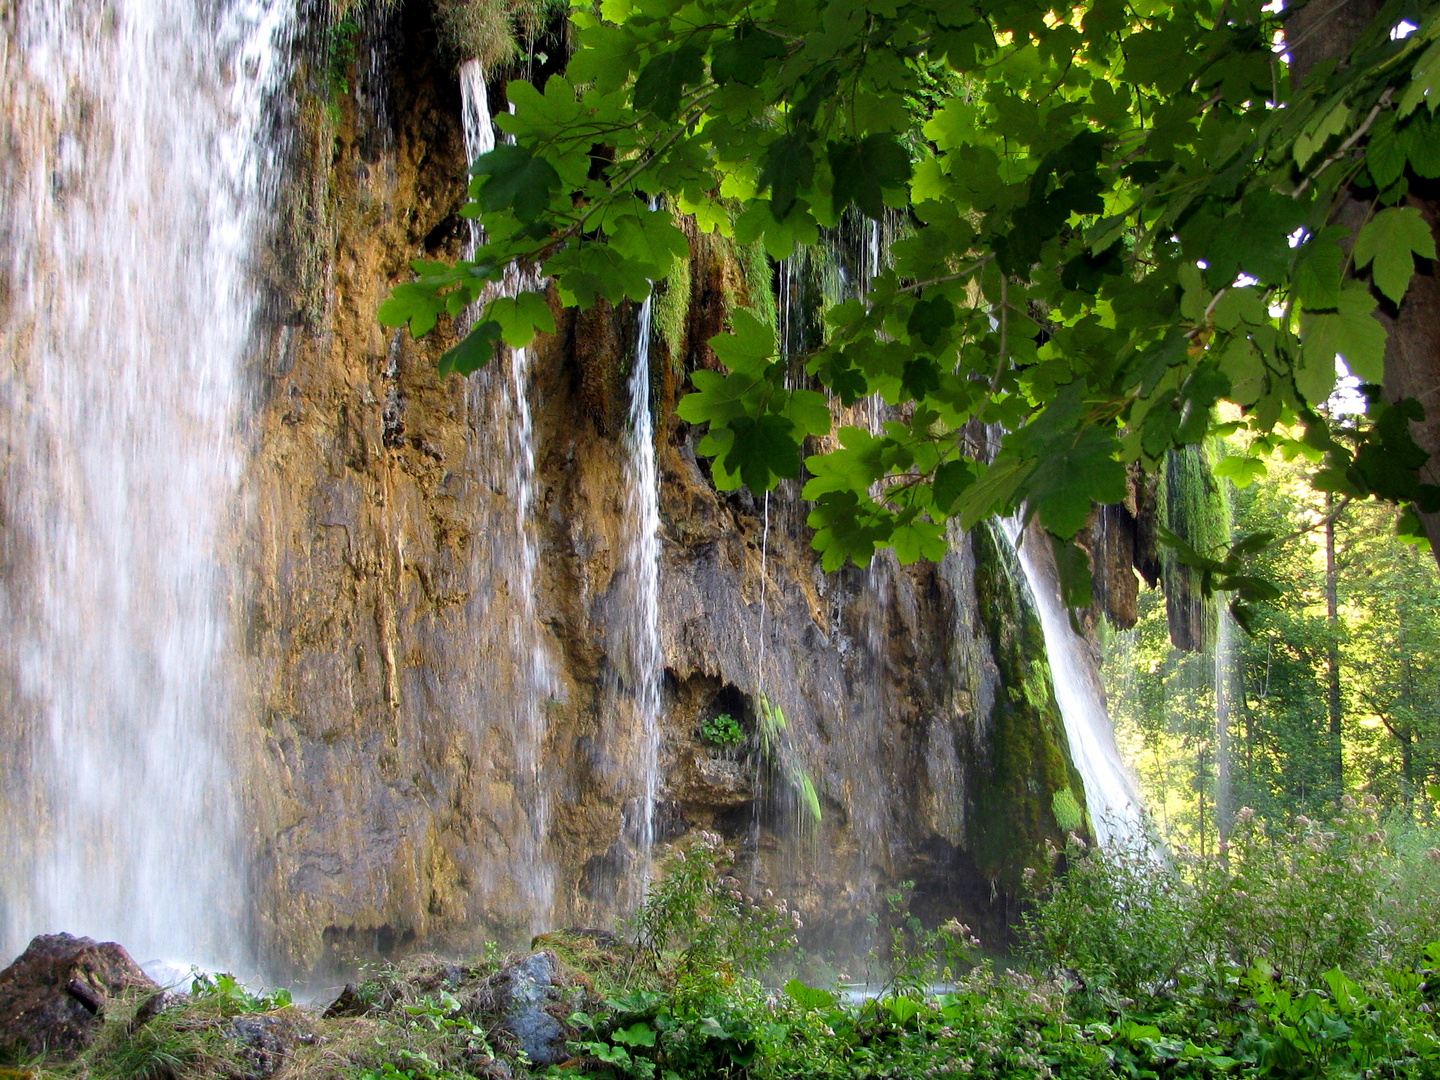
x,y
951,480
1319,131
515,181
717,399
863,170
414,302
1353,333
789,167
765,450
918,539
742,58
809,410
520,316
1206,385
1419,136
1072,567
808,997
901,1009
1425,83
1240,470
930,318
473,351
652,240
639,1034
845,528
1390,239
749,347
993,489
662,82
1318,272
1071,474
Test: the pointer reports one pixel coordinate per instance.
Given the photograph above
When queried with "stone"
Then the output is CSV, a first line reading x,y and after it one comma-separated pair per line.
x,y
53,997
266,1040
156,1004
347,1003
524,996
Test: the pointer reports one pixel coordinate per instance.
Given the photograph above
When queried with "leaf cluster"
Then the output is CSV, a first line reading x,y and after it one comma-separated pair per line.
x,y
1119,217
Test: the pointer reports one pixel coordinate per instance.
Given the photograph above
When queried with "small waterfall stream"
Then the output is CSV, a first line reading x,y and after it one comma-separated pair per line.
x,y
500,402
138,174
1116,812
640,621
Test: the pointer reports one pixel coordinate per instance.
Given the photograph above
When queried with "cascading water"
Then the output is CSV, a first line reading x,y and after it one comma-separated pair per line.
x,y
1116,812
500,401
640,622
137,177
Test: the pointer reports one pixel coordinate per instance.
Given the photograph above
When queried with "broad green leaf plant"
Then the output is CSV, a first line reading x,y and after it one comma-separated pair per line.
x,y
1119,214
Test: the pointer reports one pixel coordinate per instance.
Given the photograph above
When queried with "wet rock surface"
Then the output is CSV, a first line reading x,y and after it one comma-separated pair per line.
x,y
264,1041
387,643
155,1005
528,996
54,996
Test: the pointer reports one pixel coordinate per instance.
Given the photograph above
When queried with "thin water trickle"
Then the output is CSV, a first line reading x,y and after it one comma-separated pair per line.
x,y
499,400
1116,812
640,620
139,172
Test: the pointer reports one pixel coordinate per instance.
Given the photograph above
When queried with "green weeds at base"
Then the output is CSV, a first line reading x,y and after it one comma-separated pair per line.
x,y
1141,968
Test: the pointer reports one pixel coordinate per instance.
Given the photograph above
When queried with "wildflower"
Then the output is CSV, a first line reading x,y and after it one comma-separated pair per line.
x,y
1244,814
1348,802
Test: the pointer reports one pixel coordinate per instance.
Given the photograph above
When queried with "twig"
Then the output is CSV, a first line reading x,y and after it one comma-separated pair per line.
x,y
1345,147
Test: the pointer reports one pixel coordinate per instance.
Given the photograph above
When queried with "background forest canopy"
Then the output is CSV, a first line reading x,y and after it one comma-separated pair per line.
x,y
1126,232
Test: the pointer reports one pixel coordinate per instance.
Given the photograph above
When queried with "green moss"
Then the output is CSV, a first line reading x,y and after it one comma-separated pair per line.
x,y
1193,506
670,312
1068,814
494,32
1015,797
758,272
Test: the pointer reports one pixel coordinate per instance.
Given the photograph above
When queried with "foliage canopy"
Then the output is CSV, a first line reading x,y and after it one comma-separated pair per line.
x,y
1119,214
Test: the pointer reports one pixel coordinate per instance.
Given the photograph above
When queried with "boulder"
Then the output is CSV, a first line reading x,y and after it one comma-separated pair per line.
x,y
156,1004
525,997
265,1040
53,997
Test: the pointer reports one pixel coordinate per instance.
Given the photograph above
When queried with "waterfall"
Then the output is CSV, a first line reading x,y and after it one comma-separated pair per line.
x,y
1116,813
500,400
1225,698
138,173
640,623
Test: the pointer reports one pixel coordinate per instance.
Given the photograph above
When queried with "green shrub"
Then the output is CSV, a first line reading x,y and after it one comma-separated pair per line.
x,y
722,731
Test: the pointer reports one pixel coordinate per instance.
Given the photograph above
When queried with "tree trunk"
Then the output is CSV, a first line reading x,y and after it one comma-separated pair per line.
x,y
1320,31
1332,653
1224,703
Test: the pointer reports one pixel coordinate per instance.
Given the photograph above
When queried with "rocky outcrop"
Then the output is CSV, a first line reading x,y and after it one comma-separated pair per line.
x,y
530,1000
400,794
54,996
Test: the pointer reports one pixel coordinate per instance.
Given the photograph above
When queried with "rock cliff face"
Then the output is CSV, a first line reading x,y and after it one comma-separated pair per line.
x,y
399,792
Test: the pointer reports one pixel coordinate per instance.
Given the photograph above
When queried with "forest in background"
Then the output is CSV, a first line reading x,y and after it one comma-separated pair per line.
x,y
1336,688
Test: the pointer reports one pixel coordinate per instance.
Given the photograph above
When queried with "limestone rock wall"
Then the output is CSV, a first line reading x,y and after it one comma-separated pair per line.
x,y
387,797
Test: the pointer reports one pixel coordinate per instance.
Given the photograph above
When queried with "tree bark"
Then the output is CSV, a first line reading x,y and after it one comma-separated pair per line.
x,y
1323,30
1332,652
